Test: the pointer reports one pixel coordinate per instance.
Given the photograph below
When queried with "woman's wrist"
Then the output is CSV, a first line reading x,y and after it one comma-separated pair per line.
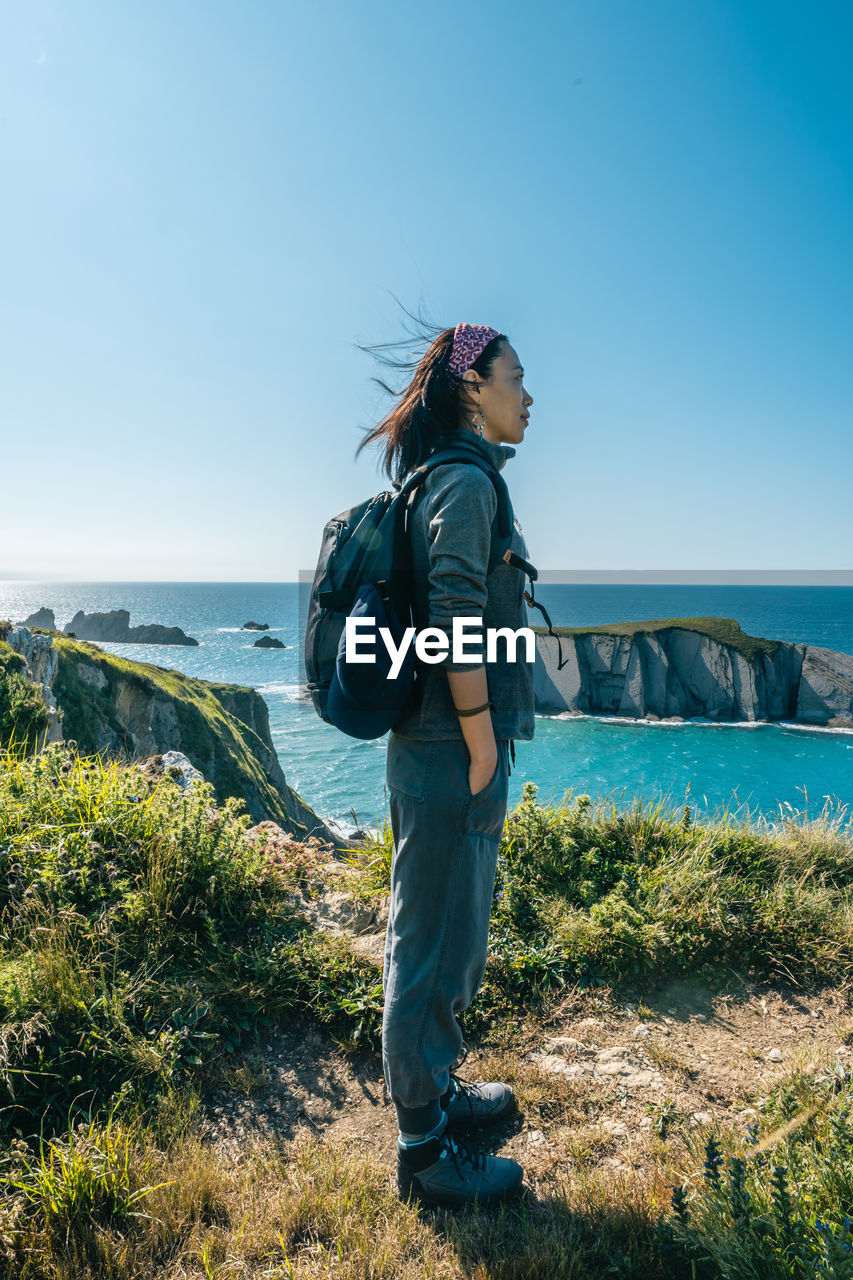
x,y
470,689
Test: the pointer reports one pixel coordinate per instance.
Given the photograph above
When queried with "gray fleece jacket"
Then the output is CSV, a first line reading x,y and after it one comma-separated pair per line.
x,y
450,530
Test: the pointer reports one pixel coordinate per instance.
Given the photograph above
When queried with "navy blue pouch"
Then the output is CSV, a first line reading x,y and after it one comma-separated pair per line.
x,y
364,702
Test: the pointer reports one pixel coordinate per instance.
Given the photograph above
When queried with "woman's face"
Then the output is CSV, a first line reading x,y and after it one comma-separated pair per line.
x,y
502,397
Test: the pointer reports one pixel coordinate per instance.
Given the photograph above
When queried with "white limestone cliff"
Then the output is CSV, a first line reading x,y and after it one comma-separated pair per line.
x,y
670,672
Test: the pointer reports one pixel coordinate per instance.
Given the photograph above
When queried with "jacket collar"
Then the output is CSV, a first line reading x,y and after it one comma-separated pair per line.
x,y
497,454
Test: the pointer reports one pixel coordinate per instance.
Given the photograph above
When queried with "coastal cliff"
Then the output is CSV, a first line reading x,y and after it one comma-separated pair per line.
x,y
688,667
113,706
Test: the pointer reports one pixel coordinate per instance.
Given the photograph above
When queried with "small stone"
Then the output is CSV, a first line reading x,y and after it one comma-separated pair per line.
x,y
567,1047
535,1138
668,1021
646,1122
773,1055
642,1030
615,1128
702,1117
179,767
557,1065
604,1065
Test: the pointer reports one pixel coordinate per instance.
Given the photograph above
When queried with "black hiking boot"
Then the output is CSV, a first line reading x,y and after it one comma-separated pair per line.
x,y
440,1173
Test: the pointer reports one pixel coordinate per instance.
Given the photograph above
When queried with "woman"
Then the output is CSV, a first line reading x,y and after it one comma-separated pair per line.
x,y
448,761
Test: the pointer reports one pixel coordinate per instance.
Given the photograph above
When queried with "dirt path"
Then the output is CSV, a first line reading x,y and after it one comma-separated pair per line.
x,y
600,1084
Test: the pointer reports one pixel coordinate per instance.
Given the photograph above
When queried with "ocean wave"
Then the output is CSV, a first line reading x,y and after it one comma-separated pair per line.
x,y
698,722
814,728
292,692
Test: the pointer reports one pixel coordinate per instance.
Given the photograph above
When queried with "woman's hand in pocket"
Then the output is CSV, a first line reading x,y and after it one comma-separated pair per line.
x,y
481,770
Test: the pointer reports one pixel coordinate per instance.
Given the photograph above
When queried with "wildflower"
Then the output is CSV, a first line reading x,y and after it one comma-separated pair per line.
x,y
713,1153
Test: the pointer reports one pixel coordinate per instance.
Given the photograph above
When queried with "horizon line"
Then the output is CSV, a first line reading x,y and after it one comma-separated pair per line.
x,y
553,577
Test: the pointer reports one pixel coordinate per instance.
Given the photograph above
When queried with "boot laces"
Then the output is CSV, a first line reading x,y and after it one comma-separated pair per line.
x,y
463,1155
467,1089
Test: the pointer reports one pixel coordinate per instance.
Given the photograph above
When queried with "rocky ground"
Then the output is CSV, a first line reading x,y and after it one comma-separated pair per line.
x,y
603,1082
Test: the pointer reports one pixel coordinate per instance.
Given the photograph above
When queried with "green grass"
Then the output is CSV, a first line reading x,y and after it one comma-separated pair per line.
x,y
146,945
593,893
778,1204
219,740
23,717
724,630
141,939
588,895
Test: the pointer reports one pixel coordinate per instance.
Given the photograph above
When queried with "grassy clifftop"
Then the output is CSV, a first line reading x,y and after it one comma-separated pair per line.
x,y
89,706
121,707
723,630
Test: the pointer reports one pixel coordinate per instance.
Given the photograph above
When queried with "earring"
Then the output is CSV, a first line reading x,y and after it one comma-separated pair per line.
x,y
479,425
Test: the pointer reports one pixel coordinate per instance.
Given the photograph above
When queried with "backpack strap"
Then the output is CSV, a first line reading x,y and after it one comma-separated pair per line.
x,y
502,523
501,526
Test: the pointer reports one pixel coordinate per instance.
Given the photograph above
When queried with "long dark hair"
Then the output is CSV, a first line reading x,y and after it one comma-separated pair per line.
x,y
428,409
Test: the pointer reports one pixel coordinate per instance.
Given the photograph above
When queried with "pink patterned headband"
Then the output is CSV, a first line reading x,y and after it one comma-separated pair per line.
x,y
469,341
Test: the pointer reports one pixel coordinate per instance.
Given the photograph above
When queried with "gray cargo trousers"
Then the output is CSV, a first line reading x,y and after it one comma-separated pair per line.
x,y
442,879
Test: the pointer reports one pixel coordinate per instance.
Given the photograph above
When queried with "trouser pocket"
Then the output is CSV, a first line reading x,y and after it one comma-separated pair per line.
x,y
487,809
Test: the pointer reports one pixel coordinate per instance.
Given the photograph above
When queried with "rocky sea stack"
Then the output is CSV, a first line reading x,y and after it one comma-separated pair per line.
x,y
114,627
44,618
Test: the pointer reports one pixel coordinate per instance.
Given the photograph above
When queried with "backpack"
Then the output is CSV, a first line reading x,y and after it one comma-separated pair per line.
x,y
365,570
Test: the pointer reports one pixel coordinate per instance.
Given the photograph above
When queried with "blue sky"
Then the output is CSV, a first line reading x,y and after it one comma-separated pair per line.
x,y
206,204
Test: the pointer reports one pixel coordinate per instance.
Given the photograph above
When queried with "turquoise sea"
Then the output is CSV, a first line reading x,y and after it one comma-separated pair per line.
x,y
770,769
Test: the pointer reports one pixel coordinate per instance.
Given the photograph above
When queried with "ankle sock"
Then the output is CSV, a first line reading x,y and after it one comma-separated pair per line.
x,y
418,1120
418,1139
